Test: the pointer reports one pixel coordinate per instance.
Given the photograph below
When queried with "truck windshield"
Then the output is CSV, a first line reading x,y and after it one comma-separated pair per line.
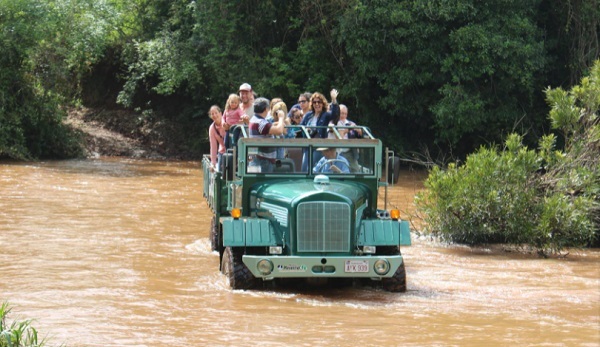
x,y
296,160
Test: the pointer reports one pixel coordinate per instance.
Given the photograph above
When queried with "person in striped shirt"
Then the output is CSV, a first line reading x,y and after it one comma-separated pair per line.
x,y
260,127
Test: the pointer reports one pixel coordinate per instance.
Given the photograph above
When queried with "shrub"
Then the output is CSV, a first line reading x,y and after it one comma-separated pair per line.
x,y
547,199
489,199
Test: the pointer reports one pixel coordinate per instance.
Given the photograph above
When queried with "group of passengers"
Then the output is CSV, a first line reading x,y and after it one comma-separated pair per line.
x,y
268,119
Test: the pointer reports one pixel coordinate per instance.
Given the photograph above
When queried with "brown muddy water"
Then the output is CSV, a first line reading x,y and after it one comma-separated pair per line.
x,y
114,252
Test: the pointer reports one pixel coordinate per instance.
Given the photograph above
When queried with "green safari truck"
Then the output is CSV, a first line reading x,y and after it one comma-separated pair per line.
x,y
288,221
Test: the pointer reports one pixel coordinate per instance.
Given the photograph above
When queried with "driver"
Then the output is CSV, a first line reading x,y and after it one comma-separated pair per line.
x,y
331,162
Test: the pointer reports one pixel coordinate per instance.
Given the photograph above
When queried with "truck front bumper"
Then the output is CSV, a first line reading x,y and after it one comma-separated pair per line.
x,y
320,266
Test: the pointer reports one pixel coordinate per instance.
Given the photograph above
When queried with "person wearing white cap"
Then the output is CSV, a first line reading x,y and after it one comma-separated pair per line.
x,y
247,99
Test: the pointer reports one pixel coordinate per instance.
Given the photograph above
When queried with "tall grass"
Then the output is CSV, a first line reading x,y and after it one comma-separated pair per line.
x,y
17,333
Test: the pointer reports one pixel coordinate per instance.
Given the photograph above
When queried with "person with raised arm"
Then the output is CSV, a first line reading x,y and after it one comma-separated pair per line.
x,y
260,127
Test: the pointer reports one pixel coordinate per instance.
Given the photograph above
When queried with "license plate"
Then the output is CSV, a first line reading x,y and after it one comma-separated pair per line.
x,y
356,266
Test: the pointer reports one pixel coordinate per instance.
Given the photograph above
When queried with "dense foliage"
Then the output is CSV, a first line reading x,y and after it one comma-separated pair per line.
x,y
47,47
548,199
449,74
424,75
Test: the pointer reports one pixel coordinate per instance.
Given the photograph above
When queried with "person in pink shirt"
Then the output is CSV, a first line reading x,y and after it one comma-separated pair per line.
x,y
233,115
233,112
216,135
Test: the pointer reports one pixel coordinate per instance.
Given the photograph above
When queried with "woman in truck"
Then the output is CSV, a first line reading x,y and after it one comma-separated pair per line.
x,y
319,116
216,135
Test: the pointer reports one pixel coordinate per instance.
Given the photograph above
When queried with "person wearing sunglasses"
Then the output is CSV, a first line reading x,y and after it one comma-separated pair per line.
x,y
295,117
304,102
319,116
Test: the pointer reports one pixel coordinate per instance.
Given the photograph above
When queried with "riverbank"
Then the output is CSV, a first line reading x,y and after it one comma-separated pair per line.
x,y
123,133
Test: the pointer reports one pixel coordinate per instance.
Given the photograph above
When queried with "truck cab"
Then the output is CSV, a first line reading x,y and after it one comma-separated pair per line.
x,y
292,218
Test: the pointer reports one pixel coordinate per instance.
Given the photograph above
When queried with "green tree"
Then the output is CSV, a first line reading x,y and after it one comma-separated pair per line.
x,y
572,28
23,121
575,176
436,73
47,48
468,70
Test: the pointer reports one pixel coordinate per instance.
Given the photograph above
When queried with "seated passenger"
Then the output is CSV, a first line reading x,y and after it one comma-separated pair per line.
x,y
331,162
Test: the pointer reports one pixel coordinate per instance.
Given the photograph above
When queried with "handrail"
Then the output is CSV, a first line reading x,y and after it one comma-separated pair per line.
x,y
306,129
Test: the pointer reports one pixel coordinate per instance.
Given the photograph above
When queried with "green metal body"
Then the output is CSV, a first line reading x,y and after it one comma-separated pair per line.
x,y
322,225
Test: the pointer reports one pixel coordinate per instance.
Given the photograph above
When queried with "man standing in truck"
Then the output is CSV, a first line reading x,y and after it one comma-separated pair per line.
x,y
245,93
264,159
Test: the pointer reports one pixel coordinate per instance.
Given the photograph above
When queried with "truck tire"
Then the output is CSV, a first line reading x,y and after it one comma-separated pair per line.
x,y
396,283
214,234
393,170
238,274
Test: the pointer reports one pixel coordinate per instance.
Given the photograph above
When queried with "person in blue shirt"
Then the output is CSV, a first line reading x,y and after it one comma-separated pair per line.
x,y
331,162
319,116
295,117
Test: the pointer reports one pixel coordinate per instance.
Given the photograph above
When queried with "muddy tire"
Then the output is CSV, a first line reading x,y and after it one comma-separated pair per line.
x,y
214,234
238,274
396,283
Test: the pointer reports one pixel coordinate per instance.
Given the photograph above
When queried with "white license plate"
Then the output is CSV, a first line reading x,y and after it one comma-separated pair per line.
x,y
356,266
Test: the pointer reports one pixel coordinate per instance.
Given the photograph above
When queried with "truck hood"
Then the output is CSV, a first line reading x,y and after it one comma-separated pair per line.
x,y
290,192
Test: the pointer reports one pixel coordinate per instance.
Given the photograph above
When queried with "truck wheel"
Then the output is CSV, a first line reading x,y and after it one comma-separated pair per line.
x,y
393,170
214,234
396,283
238,274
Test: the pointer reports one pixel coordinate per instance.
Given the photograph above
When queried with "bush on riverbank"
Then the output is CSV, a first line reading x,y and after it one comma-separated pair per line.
x,y
17,333
546,198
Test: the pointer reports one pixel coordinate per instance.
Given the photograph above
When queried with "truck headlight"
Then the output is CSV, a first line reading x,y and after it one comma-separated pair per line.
x,y
381,266
369,249
275,249
264,266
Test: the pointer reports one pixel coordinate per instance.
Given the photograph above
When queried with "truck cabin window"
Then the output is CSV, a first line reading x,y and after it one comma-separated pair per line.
x,y
314,160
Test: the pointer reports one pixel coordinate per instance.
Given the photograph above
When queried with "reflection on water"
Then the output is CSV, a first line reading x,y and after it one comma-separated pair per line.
x,y
114,252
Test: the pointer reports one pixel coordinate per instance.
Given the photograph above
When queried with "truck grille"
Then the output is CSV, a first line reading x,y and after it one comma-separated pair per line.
x,y
323,227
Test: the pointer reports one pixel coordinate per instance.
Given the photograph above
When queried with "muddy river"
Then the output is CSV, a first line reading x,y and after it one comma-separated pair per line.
x,y
114,252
